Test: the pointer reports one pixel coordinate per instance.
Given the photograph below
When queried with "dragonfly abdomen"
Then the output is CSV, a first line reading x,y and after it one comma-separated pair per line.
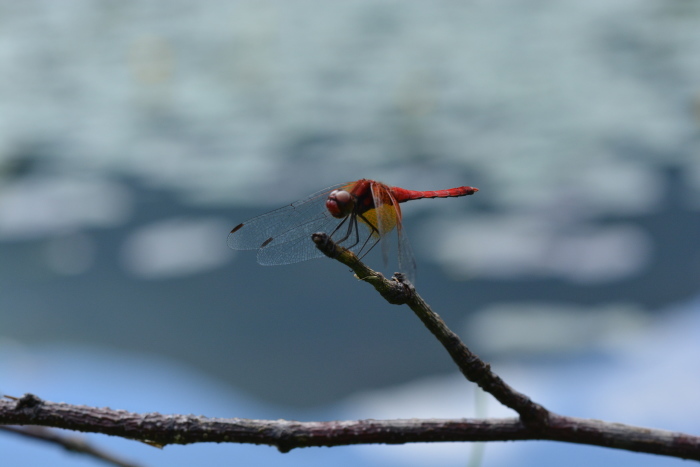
x,y
403,195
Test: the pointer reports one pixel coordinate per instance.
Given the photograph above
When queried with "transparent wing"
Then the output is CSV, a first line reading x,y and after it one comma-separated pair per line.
x,y
388,216
386,213
283,236
407,262
283,224
296,245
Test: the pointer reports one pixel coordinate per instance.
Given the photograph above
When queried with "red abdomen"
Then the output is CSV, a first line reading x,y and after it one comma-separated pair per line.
x,y
403,195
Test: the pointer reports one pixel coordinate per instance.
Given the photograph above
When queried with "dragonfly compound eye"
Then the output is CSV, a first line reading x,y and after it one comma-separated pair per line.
x,y
340,203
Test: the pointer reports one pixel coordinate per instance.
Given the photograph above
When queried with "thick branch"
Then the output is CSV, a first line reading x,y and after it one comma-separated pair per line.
x,y
158,429
399,292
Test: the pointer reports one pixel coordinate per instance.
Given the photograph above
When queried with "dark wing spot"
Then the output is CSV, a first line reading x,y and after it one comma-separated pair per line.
x,y
266,242
237,228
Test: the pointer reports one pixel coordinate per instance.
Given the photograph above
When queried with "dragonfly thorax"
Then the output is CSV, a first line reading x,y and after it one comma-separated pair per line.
x,y
340,203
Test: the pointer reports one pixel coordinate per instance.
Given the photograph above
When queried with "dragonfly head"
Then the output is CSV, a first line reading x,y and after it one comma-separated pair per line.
x,y
340,203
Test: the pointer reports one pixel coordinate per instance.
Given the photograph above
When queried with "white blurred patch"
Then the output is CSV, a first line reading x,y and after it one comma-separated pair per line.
x,y
545,328
454,401
41,206
70,255
497,247
449,397
599,255
176,247
618,186
525,247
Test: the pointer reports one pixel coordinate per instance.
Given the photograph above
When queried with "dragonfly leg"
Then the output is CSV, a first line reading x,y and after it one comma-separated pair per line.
x,y
338,228
352,226
373,230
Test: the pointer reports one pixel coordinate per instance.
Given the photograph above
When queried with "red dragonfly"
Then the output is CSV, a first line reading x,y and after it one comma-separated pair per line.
x,y
355,215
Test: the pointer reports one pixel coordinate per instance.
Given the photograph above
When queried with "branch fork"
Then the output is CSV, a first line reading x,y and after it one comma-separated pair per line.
x,y
534,421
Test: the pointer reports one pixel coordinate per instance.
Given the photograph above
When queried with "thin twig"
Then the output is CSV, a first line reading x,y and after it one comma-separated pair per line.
x,y
398,292
69,443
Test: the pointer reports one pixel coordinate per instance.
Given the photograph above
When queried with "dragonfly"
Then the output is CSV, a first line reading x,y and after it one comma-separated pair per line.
x,y
355,215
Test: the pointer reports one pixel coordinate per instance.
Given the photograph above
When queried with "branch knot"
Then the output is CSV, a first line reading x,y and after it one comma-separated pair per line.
x,y
28,401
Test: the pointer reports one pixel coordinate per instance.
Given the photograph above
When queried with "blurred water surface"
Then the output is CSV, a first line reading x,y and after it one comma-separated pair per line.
x,y
133,136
